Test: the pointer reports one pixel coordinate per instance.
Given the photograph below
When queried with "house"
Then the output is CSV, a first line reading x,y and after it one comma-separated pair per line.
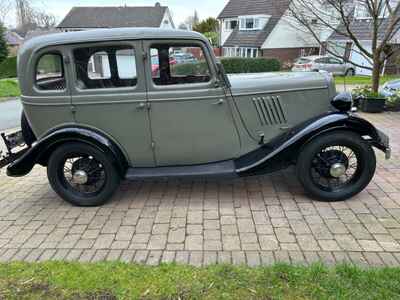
x,y
14,41
263,28
84,18
361,27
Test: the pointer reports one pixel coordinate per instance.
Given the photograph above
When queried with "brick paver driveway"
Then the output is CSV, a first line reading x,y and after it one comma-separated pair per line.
x,y
257,220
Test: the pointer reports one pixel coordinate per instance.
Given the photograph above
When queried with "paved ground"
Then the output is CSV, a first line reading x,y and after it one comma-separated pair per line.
x,y
258,220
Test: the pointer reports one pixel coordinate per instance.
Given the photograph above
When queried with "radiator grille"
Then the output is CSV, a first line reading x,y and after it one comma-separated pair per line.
x,y
269,110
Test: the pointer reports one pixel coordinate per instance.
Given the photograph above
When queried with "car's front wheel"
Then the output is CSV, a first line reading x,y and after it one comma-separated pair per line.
x,y
336,166
82,174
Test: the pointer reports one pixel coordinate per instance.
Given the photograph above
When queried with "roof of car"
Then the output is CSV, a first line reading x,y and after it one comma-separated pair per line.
x,y
101,35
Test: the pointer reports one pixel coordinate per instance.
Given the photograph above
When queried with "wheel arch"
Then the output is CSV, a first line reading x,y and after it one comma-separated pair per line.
x,y
42,150
284,150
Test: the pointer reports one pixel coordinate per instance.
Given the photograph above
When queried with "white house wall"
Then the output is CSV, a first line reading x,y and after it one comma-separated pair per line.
x,y
224,32
286,35
167,22
359,59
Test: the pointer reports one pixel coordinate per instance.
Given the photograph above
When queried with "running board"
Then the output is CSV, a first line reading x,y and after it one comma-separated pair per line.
x,y
224,169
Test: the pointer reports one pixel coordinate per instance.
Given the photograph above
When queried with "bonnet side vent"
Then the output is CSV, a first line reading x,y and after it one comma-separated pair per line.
x,y
269,110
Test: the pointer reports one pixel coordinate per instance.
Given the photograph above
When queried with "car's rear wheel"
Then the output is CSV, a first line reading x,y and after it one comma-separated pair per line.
x,y
350,72
82,174
336,166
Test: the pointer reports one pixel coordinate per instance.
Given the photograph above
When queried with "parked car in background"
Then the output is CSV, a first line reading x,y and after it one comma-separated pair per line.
x,y
390,88
155,64
323,63
92,132
184,58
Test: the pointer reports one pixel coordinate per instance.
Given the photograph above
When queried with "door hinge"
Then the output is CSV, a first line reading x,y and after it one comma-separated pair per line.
x,y
73,109
153,145
148,105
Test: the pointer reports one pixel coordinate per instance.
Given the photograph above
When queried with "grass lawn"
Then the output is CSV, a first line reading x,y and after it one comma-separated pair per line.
x,y
60,280
9,88
363,80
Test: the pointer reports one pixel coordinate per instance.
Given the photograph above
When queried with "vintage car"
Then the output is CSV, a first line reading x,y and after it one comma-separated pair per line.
x,y
95,113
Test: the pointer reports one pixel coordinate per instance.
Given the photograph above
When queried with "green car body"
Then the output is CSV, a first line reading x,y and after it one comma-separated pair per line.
x,y
174,126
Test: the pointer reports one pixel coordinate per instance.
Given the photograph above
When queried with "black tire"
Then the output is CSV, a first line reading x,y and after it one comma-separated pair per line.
x,y
350,72
64,188
362,176
27,133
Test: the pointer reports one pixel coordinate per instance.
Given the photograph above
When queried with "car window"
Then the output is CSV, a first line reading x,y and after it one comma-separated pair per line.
x,y
321,60
105,67
334,61
50,72
302,61
170,68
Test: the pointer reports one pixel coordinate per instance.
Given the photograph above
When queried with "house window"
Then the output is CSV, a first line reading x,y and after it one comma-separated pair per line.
x,y
241,52
105,67
230,25
250,23
362,11
50,72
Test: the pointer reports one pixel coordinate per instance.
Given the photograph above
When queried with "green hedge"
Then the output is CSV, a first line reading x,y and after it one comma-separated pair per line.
x,y
250,65
232,66
8,68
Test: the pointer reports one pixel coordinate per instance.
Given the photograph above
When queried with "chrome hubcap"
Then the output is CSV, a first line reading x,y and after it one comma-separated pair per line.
x,y
80,177
338,170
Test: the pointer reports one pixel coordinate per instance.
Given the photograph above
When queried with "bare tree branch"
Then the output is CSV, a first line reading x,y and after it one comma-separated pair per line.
x,y
339,18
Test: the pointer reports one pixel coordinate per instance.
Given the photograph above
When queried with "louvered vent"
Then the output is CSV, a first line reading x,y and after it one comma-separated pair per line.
x,y
269,110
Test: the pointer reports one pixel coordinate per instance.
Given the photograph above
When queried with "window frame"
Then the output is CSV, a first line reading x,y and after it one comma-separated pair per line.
x,y
38,58
180,43
135,45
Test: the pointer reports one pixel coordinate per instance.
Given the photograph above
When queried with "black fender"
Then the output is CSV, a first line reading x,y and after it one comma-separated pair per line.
x,y
283,150
40,152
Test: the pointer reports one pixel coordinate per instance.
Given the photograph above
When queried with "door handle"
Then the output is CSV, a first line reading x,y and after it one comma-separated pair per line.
x,y
219,102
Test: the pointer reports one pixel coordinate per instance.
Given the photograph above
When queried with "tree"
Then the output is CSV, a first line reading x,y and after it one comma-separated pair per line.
x,y
192,21
212,37
208,25
30,18
3,43
318,17
5,7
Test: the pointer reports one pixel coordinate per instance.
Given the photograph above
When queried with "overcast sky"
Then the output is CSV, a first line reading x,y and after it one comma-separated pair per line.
x,y
180,8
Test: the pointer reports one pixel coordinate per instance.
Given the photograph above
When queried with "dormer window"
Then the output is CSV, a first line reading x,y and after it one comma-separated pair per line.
x,y
250,23
362,11
253,22
231,25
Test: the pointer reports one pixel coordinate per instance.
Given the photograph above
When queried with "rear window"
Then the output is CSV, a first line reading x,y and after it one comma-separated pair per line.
x,y
50,72
302,61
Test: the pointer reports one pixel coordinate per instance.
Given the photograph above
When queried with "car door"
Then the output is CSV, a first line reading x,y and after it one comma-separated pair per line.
x,y
109,95
191,117
337,66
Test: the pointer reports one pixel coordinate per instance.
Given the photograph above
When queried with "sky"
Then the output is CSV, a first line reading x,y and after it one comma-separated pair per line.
x,y
180,9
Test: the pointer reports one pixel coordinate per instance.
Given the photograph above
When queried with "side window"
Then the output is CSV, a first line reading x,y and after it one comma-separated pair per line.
x,y
179,64
105,67
50,72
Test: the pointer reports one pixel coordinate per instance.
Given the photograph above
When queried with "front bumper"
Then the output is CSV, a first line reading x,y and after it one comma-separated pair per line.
x,y
384,144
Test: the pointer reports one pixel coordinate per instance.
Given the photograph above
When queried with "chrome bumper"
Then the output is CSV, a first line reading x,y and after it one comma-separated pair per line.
x,y
385,144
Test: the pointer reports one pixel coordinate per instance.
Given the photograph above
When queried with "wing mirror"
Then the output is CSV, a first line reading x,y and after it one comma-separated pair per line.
x,y
222,74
